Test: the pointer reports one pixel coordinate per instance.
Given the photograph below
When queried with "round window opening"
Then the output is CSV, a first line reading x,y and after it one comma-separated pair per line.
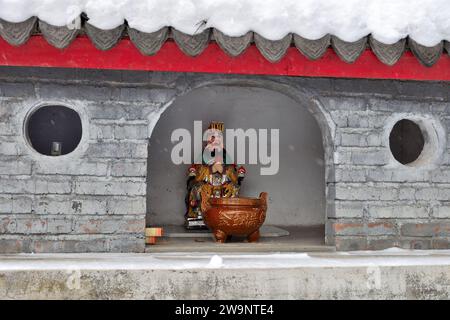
x,y
406,141
54,130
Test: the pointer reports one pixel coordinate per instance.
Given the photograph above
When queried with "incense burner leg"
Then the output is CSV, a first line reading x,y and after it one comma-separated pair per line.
x,y
253,237
220,236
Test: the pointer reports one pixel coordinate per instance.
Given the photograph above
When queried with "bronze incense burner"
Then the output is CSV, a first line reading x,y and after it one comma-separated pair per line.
x,y
235,216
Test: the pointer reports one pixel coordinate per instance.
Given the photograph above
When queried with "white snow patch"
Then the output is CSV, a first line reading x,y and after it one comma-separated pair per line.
x,y
182,261
390,251
426,21
215,262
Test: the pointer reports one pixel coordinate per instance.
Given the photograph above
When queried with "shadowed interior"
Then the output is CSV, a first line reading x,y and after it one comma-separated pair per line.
x,y
54,124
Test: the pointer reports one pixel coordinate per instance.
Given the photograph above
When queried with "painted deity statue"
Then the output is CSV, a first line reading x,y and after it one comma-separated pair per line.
x,y
216,177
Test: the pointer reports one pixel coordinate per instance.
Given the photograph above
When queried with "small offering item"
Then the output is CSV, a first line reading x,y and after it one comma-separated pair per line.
x,y
56,148
151,234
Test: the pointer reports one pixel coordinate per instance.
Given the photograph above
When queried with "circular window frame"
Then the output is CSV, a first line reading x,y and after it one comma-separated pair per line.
x,y
82,145
434,140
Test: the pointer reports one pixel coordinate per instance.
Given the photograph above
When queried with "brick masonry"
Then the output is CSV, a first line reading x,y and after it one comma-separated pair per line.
x,y
94,199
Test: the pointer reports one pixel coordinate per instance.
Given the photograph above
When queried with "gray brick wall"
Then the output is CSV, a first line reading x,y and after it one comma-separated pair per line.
x,y
378,202
95,198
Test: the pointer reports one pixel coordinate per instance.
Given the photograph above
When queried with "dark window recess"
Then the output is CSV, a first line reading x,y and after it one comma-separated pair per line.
x,y
54,130
406,141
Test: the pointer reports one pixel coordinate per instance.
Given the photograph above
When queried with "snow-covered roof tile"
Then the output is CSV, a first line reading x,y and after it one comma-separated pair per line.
x,y
349,26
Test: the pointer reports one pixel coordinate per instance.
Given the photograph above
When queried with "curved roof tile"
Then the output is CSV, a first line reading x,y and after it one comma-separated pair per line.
x,y
17,33
387,53
104,39
59,37
273,50
348,51
191,45
148,43
233,46
426,55
312,49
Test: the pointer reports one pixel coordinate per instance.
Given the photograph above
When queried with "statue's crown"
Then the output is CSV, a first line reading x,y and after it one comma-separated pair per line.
x,y
217,125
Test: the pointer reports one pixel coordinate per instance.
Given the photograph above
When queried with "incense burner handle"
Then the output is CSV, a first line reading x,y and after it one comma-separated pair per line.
x,y
263,196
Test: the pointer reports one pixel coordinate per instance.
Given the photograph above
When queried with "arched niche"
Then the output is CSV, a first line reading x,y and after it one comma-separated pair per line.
x,y
297,191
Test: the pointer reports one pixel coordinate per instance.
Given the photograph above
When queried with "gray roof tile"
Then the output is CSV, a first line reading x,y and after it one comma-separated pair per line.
x,y
150,43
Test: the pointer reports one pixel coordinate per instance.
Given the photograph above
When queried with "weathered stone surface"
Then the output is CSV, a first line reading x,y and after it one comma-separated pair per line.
x,y
76,92
362,156
59,225
332,277
17,186
381,228
349,209
118,130
73,168
432,229
125,168
113,111
127,205
361,191
360,138
15,167
349,228
382,242
351,243
118,150
17,90
419,229
273,51
347,104
349,174
108,224
131,131
398,211
31,225
114,187
53,185
155,96
442,211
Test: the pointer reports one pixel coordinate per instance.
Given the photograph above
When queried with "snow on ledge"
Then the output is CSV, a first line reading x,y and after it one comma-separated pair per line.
x,y
425,21
195,261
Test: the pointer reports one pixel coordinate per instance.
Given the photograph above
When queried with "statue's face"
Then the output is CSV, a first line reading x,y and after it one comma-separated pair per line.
x,y
213,150
214,139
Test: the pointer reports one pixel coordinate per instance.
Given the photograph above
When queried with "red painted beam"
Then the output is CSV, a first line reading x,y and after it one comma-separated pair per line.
x,y
82,54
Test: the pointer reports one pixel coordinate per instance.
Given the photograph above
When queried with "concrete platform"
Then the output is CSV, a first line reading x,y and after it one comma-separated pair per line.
x,y
387,274
275,239
181,232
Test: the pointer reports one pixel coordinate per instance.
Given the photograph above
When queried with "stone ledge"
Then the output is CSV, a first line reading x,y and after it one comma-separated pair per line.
x,y
388,274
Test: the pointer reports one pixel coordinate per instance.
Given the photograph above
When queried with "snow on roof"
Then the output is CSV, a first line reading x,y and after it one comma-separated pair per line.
x,y
425,21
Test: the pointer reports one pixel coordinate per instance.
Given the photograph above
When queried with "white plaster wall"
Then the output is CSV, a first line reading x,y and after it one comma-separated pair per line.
x,y
297,192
